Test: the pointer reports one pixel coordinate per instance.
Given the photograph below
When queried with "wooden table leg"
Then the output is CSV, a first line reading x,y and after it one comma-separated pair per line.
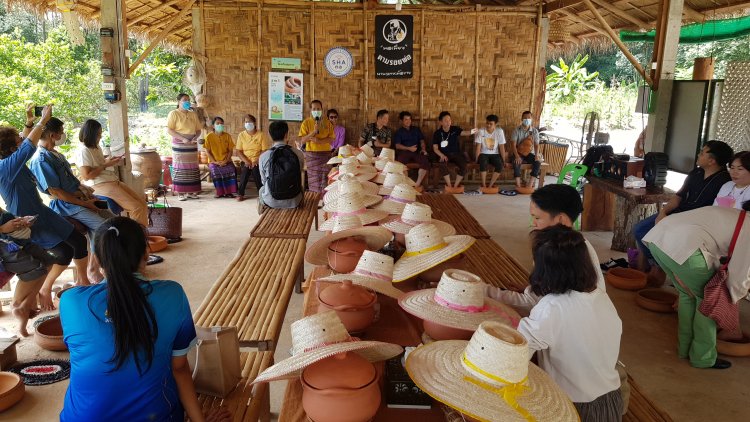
x,y
628,214
598,209
542,175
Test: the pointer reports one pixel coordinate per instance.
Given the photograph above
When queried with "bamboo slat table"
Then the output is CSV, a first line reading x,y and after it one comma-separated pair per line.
x,y
641,408
394,326
289,223
495,266
446,207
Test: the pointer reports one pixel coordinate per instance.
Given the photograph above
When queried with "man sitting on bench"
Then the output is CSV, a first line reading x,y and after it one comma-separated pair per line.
x,y
410,147
524,149
447,148
490,143
281,170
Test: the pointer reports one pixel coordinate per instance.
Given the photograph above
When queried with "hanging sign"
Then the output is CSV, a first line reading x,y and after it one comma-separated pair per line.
x,y
286,63
339,62
394,46
285,96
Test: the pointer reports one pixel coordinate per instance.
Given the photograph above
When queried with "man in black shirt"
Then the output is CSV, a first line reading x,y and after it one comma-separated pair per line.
x,y
699,190
447,147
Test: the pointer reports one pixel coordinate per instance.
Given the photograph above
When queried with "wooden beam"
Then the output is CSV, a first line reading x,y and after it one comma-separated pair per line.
x,y
693,14
636,64
558,5
163,34
575,18
725,9
151,12
622,14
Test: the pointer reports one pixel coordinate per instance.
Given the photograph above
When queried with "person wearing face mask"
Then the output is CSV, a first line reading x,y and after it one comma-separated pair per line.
x,y
19,192
219,148
317,134
251,143
184,126
524,149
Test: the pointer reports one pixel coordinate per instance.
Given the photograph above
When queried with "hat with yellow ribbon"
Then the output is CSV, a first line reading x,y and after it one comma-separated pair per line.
x,y
489,378
426,247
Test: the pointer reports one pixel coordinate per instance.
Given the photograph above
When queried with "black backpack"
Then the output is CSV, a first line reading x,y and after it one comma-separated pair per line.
x,y
284,176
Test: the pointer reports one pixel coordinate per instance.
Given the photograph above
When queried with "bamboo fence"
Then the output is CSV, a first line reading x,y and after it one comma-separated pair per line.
x,y
288,223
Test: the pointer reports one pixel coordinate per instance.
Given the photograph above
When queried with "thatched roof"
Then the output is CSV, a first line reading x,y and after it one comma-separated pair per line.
x,y
147,18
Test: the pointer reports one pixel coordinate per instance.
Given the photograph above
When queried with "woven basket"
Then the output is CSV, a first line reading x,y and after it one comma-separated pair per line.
x,y
559,32
166,222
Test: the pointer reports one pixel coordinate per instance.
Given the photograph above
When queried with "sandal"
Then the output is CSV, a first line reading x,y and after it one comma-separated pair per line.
x,y
508,192
154,259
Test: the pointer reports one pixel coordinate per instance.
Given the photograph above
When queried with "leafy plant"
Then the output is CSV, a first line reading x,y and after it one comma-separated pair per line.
x,y
566,81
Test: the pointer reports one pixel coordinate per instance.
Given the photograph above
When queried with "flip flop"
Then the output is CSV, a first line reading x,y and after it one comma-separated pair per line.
x,y
508,192
154,259
473,192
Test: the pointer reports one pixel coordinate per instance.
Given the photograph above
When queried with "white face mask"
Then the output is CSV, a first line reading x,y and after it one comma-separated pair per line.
x,y
62,140
317,114
249,127
526,122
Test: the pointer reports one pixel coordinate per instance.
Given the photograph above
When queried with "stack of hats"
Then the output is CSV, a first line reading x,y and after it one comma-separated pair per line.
x,y
348,183
400,196
344,151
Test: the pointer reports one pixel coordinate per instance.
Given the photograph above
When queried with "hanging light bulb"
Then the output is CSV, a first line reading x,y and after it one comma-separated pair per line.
x,y
398,5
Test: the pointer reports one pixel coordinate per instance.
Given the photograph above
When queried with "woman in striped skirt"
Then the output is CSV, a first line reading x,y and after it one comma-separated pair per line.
x,y
185,127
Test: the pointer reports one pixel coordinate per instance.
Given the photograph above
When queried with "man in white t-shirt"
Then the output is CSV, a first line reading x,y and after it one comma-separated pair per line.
x,y
490,142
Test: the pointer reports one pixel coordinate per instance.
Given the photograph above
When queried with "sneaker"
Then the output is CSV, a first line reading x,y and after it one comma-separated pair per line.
x,y
181,197
192,195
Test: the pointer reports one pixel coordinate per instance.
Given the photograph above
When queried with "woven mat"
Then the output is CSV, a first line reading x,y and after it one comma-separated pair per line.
x,y
448,209
495,266
42,372
288,223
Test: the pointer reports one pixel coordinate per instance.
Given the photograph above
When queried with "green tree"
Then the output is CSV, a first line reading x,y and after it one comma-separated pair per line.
x,y
567,80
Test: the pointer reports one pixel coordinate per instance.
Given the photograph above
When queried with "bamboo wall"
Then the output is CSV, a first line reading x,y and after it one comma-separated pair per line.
x,y
452,52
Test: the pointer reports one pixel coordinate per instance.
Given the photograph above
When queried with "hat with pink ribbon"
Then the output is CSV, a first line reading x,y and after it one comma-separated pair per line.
x,y
352,203
374,271
400,196
459,301
413,214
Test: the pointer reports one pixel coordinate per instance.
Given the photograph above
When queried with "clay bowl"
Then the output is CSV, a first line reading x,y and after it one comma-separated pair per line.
x,y
490,191
453,190
525,190
11,390
626,278
441,332
656,300
49,335
433,274
736,348
157,243
344,254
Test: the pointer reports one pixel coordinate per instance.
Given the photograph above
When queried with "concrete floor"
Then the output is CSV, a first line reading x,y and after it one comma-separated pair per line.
x,y
215,228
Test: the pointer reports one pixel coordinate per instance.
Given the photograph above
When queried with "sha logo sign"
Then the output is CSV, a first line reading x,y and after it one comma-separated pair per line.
x,y
339,62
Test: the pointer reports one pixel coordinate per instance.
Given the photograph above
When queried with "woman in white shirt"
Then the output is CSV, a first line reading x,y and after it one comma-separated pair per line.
x,y
574,328
736,191
98,172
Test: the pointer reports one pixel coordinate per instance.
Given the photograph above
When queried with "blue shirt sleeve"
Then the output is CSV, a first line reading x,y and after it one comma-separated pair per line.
x,y
45,173
397,136
185,338
11,166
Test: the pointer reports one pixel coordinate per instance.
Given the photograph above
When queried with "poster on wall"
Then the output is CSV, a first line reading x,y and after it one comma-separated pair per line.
x,y
394,46
285,96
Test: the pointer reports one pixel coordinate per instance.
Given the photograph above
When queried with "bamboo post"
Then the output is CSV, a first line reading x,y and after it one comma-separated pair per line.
x,y
366,38
476,64
537,46
312,52
421,71
260,64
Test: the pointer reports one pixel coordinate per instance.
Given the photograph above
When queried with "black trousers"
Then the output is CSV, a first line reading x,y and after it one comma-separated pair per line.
x,y
245,177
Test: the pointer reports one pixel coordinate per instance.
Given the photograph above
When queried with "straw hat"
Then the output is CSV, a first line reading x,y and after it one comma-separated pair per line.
x,y
332,190
374,271
400,196
390,182
426,247
367,150
380,164
361,172
414,214
349,184
458,302
354,161
365,159
390,167
320,336
344,151
343,227
387,154
489,378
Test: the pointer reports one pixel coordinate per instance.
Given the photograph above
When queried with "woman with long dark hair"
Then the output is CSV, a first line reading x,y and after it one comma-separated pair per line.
x,y
128,338
98,172
184,126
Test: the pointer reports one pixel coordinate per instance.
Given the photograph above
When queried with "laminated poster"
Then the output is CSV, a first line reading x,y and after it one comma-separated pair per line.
x,y
285,96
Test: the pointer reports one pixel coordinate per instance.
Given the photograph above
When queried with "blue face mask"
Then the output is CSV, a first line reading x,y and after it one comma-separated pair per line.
x,y
219,128
185,105
526,122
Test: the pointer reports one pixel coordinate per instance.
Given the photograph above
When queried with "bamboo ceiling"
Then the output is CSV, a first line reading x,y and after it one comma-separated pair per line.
x,y
147,18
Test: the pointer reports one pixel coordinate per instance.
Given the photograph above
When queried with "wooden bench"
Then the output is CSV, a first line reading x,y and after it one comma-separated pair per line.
x,y
446,207
289,223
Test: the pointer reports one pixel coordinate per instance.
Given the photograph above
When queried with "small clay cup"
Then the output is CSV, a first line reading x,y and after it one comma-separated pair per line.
x,y
157,243
344,254
49,335
11,390
433,275
441,332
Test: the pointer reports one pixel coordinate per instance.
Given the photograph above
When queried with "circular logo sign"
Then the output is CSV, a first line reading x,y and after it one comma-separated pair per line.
x,y
339,62
394,31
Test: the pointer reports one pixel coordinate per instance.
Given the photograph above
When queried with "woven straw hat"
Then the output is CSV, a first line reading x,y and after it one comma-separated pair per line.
x,y
458,302
390,167
489,378
344,151
426,247
365,159
320,336
380,164
414,214
332,190
390,182
387,154
343,227
400,196
374,271
349,184
367,150
361,172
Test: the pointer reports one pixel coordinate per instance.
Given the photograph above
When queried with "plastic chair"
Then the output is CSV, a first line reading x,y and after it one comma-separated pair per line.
x,y
576,171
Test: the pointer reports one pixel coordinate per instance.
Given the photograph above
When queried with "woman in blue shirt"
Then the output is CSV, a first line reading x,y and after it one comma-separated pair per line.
x,y
128,338
18,189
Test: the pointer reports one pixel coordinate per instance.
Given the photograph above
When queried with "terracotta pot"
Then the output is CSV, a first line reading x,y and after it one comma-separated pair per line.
x,y
490,191
656,300
49,335
736,348
441,332
149,164
400,239
342,388
11,390
525,190
344,254
433,274
626,278
452,190
157,243
355,305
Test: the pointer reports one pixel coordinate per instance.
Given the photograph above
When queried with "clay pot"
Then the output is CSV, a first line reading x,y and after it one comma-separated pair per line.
x,y
736,348
525,190
342,388
149,164
11,390
355,305
441,332
452,190
626,278
157,243
656,300
343,254
490,191
433,274
49,335
400,239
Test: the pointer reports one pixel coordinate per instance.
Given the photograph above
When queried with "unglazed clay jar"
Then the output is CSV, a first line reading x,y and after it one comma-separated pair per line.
x,y
11,390
344,254
433,274
49,335
441,332
355,305
341,388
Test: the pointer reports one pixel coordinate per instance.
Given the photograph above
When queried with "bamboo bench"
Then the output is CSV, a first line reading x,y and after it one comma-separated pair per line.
x,y
446,207
289,223
495,266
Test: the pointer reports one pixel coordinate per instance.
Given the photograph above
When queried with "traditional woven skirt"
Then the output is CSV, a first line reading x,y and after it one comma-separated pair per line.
x,y
317,169
187,177
224,177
